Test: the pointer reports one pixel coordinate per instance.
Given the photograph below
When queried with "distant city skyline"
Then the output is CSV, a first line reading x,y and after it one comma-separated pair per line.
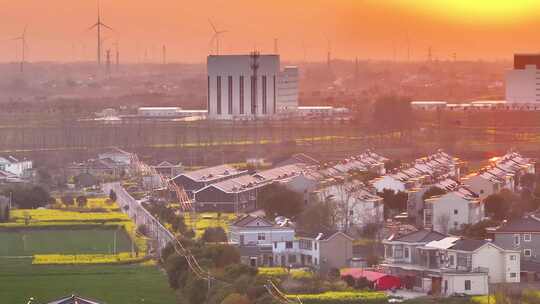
x,y
305,29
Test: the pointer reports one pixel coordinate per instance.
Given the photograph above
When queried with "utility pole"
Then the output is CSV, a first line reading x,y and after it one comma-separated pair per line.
x,y
164,54
108,61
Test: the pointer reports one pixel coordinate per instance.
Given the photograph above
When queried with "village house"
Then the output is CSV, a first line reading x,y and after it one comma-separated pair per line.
x,y
100,168
117,155
522,234
255,236
355,205
168,169
193,181
15,167
452,210
503,173
415,198
425,170
239,194
322,251
432,262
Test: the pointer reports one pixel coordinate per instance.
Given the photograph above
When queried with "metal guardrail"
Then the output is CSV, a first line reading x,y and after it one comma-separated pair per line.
x,y
156,231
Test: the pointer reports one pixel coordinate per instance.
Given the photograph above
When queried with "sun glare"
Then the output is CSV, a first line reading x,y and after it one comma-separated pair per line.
x,y
483,11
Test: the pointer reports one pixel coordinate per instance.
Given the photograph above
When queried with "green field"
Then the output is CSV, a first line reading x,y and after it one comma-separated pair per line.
x,y
115,284
26,242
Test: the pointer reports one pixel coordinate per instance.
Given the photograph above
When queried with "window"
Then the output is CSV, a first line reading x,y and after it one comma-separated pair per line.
x,y
455,211
261,237
388,251
292,258
264,94
516,239
289,245
351,212
406,252
218,88
275,245
230,83
451,260
513,274
241,94
527,252
315,261
527,237
305,244
398,251
315,245
467,284
512,257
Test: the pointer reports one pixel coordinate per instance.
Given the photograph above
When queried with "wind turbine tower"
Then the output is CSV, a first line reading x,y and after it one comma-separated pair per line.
x,y
216,36
164,54
99,25
276,50
22,38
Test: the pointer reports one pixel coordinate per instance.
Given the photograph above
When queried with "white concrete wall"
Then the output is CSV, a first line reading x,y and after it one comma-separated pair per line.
x,y
445,206
521,85
251,236
456,284
237,66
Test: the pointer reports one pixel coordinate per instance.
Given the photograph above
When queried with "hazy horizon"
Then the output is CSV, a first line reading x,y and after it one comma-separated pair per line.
x,y
393,30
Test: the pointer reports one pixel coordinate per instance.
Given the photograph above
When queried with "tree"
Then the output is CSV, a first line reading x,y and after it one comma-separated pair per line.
x,y
501,204
394,202
277,199
478,230
528,181
432,191
112,195
392,113
81,201
28,196
214,235
392,164
235,298
68,200
315,218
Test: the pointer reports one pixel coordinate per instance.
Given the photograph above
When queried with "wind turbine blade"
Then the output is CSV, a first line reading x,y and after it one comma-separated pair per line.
x,y
222,32
92,27
212,25
106,26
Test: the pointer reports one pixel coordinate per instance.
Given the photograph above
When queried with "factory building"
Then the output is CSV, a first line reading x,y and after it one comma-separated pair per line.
x,y
287,100
523,81
242,86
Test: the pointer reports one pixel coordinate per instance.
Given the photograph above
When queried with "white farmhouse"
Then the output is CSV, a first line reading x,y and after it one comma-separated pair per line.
x,y
452,210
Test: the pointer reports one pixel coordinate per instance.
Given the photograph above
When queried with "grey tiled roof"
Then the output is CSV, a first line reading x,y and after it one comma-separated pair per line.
x,y
421,236
527,224
468,245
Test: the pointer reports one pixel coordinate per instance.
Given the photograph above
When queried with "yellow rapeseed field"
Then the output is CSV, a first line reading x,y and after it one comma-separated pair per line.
x,y
58,259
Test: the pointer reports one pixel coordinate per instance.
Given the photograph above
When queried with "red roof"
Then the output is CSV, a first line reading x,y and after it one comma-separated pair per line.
x,y
360,273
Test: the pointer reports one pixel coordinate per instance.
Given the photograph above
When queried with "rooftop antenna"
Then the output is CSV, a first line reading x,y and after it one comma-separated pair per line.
x,y
22,38
98,25
216,36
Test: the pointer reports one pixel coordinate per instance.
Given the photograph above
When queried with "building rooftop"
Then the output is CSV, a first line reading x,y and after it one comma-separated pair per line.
x,y
525,224
468,245
420,236
212,173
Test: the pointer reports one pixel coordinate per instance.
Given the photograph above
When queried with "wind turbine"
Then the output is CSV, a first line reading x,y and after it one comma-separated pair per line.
x,y
216,36
22,38
98,25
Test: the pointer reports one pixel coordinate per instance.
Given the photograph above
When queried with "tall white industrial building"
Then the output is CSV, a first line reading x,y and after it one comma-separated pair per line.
x,y
242,86
523,82
288,89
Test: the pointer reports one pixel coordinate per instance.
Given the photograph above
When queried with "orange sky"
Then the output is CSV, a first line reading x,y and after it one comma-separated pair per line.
x,y
491,29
